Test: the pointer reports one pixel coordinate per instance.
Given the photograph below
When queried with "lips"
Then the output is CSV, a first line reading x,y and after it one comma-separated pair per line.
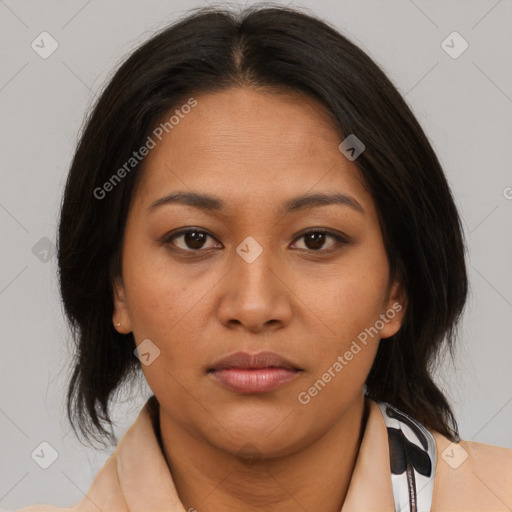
x,y
253,373
245,360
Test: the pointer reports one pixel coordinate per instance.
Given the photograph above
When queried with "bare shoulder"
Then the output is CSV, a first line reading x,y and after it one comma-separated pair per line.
x,y
487,457
472,476
490,460
488,450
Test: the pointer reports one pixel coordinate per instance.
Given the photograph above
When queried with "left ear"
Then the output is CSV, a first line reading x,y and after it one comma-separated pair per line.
x,y
394,314
121,312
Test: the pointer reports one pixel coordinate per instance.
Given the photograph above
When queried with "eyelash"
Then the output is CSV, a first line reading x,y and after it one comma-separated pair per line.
x,y
339,239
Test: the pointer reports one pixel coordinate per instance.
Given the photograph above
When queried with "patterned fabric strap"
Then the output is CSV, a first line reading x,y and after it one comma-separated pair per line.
x,y
413,460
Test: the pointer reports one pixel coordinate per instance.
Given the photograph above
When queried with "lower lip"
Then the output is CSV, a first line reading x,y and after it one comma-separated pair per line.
x,y
254,381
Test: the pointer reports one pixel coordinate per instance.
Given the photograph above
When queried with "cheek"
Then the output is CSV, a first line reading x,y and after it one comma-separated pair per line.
x,y
156,304
165,304
349,307
164,309
354,304
159,294
352,297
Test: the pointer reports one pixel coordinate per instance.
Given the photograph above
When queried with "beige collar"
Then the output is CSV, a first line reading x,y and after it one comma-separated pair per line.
x,y
147,485
144,475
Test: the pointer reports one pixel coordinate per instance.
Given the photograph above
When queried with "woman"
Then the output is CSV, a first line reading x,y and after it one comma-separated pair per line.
x,y
255,219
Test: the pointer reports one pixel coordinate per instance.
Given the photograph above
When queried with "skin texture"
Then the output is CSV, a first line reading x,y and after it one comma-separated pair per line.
x,y
255,150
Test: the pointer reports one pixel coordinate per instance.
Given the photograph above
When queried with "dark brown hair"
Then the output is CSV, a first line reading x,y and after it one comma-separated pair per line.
x,y
276,47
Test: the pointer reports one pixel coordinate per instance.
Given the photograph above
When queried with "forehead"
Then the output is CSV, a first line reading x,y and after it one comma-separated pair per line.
x,y
245,145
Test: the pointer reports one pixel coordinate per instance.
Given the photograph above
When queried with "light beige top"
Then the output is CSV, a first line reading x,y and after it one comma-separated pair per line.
x,y
136,477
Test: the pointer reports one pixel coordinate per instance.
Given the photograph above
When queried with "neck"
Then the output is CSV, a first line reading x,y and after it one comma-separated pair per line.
x,y
314,478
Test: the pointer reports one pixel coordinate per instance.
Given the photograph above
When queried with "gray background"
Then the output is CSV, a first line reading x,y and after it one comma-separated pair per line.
x,y
465,105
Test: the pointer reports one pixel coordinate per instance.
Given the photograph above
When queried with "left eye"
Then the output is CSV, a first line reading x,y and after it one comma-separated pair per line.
x,y
314,240
195,239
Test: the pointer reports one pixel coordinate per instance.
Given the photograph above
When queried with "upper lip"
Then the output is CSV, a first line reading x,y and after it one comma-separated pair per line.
x,y
246,360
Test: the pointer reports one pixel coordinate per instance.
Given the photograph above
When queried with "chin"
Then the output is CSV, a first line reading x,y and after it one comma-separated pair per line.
x,y
250,444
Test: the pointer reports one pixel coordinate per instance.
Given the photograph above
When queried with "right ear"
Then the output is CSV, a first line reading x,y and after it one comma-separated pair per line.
x,y
121,311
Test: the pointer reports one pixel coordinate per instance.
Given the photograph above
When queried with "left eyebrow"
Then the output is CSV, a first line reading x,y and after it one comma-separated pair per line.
x,y
314,200
211,203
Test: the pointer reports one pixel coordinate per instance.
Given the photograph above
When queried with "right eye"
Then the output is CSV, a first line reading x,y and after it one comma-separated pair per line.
x,y
192,239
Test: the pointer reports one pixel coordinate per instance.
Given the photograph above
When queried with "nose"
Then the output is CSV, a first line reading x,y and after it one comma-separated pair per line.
x,y
256,295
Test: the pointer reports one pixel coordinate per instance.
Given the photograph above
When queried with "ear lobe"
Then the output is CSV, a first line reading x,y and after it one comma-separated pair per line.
x,y
121,312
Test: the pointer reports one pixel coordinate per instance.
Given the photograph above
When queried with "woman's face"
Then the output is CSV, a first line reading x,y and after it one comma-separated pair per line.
x,y
252,277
